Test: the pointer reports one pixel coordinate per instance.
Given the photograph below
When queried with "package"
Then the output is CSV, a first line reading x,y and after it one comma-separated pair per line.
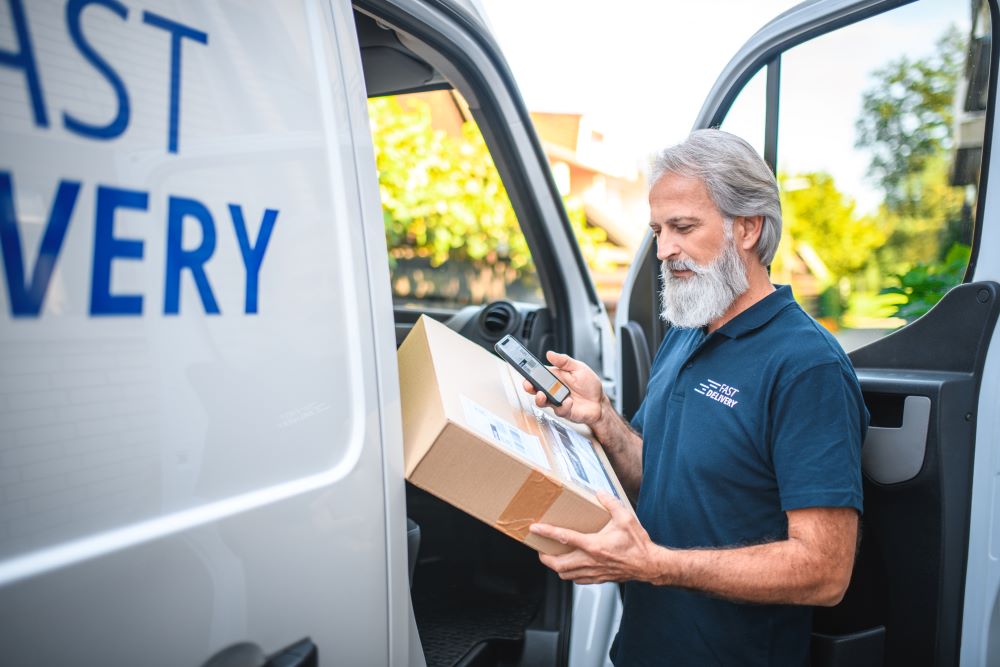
x,y
475,439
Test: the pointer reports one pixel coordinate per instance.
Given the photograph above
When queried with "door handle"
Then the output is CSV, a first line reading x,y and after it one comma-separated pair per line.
x,y
302,653
893,455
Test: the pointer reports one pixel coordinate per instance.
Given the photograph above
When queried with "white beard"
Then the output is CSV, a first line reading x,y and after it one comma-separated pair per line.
x,y
696,301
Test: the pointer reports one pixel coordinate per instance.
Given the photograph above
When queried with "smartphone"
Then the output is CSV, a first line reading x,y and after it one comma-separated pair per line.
x,y
533,370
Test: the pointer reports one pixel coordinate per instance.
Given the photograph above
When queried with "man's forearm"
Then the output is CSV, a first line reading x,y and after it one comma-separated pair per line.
x,y
622,445
785,572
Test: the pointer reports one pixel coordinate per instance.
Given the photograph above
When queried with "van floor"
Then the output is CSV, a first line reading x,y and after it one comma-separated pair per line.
x,y
472,584
454,615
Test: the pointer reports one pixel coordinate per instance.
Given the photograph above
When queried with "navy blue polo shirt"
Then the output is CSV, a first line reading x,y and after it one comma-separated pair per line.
x,y
762,416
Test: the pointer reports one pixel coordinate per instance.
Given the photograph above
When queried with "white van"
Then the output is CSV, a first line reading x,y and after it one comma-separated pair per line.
x,y
200,441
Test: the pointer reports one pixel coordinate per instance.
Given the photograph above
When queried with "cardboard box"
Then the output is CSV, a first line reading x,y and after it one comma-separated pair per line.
x,y
473,437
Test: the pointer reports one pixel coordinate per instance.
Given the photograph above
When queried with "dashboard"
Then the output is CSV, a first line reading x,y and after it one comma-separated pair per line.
x,y
485,325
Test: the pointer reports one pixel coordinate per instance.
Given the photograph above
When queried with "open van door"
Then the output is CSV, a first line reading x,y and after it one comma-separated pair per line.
x,y
487,249
806,90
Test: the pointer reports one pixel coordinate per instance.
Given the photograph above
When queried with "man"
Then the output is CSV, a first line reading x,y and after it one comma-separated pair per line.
x,y
744,458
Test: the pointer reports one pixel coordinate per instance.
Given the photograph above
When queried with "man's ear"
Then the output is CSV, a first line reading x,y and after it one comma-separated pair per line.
x,y
746,230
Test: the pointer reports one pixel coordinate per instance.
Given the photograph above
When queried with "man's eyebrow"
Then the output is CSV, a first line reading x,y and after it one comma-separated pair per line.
x,y
675,219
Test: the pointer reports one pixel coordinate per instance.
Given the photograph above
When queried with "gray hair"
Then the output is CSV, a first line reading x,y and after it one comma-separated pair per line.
x,y
738,180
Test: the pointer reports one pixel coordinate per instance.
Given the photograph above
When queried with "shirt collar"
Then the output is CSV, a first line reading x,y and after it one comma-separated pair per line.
x,y
759,313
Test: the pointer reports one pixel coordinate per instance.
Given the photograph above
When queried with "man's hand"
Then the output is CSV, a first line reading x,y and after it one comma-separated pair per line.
x,y
586,400
618,552
812,567
588,404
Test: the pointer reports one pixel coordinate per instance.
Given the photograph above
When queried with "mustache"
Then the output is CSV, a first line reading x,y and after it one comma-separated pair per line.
x,y
668,265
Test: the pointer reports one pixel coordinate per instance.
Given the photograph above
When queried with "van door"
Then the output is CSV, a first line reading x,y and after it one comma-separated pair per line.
x,y
464,242
878,119
194,367
478,238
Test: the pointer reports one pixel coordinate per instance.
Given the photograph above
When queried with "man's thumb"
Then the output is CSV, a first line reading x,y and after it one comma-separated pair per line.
x,y
558,360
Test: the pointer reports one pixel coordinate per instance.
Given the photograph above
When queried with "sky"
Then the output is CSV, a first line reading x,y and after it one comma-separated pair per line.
x,y
641,70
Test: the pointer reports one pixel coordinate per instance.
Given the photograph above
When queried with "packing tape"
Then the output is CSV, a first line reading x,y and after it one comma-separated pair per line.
x,y
528,505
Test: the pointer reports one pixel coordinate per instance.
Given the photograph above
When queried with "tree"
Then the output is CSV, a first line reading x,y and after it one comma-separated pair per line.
x,y
816,213
906,118
443,202
922,233
907,123
442,197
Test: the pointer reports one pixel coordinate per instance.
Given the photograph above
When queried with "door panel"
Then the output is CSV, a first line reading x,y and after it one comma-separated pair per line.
x,y
910,572
640,329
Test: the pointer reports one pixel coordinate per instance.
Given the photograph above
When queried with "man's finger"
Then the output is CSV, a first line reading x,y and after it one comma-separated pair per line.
x,y
565,409
561,535
569,562
614,506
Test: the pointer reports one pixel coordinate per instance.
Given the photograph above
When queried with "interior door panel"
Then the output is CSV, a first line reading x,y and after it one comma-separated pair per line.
x,y
636,365
640,334
894,454
921,385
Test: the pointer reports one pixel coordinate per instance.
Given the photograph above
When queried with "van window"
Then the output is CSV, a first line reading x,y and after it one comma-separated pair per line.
x,y
452,234
746,117
880,145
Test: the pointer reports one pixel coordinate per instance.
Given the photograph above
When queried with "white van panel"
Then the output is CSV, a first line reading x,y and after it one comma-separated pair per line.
x,y
981,611
150,411
185,461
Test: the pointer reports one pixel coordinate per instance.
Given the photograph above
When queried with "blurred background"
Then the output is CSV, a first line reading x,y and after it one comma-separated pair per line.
x,y
879,148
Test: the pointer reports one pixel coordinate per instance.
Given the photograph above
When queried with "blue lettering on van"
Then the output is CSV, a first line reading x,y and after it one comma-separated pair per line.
x,y
192,260
117,125
27,296
253,255
177,33
27,289
107,247
23,58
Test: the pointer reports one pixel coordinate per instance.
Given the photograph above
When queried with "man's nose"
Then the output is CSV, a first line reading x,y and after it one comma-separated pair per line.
x,y
666,247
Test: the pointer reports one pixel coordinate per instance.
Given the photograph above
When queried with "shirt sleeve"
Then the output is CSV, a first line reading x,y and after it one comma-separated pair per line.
x,y
818,422
639,417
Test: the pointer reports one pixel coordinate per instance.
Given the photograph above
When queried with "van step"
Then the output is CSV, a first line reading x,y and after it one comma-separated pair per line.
x,y
453,616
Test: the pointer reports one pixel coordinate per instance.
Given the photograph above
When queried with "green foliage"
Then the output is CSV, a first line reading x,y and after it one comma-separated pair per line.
x,y
927,282
907,122
591,239
925,230
907,117
442,197
816,213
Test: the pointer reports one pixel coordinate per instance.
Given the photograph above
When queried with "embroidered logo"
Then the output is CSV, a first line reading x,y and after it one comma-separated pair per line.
x,y
717,391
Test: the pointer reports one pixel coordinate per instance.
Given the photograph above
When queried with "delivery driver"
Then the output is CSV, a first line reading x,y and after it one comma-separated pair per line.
x,y
744,458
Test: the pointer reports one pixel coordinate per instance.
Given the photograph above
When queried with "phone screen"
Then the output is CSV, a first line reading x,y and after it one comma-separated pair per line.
x,y
532,368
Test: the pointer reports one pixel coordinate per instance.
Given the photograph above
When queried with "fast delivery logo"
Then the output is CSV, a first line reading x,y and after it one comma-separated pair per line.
x,y
718,392
26,292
